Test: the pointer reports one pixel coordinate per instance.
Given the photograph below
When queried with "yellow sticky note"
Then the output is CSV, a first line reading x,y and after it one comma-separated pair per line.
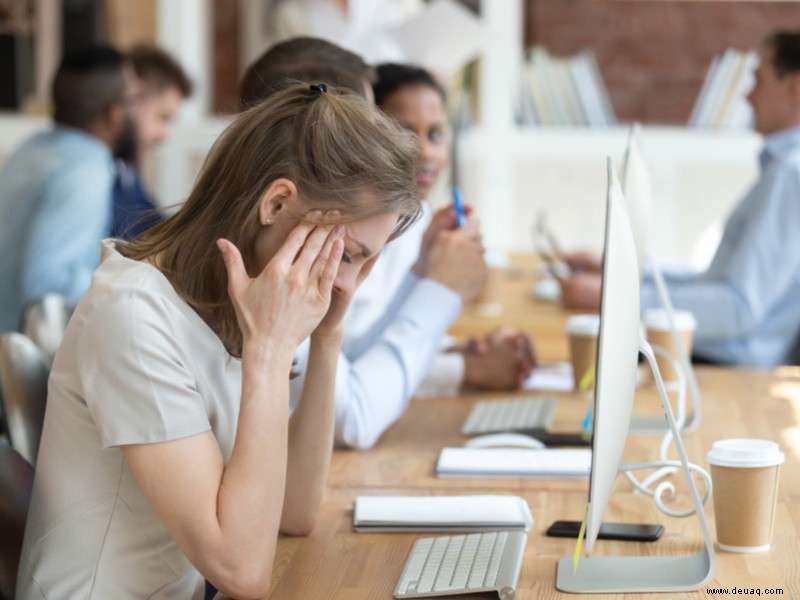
x,y
587,380
577,556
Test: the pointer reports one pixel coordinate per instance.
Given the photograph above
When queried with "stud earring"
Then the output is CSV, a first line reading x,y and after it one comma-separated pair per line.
x,y
267,221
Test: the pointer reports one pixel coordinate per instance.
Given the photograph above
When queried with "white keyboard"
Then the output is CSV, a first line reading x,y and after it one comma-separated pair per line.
x,y
512,414
458,564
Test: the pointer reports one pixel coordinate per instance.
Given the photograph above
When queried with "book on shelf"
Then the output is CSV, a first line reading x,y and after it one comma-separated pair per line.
x,y
463,96
568,91
722,102
594,95
564,91
524,107
700,108
717,81
534,105
541,67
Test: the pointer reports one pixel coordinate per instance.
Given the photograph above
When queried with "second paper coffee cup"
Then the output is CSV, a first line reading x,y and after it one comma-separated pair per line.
x,y
582,331
659,333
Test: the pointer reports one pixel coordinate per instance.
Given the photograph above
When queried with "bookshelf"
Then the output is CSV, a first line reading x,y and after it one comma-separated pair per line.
x,y
508,172
563,90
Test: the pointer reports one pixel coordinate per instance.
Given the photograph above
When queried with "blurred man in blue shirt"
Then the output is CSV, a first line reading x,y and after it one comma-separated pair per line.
x,y
747,303
163,86
55,190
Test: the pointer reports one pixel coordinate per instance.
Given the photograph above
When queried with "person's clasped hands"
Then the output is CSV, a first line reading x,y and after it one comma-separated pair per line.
x,y
503,359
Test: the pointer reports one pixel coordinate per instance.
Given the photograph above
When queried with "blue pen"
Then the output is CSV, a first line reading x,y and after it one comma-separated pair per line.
x,y
458,205
588,424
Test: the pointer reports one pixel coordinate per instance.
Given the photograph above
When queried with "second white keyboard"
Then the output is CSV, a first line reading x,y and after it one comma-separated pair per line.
x,y
511,414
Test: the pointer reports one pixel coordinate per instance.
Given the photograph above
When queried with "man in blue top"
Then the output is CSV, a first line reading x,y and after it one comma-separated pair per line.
x,y
55,190
163,87
747,303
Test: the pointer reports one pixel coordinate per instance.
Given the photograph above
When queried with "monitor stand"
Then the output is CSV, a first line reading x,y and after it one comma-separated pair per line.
x,y
621,574
656,424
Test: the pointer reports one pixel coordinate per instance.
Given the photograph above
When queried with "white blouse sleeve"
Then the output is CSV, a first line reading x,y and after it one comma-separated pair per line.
x,y
135,374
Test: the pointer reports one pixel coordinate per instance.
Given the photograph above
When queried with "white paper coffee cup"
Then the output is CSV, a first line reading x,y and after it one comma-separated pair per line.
x,y
659,333
582,331
744,474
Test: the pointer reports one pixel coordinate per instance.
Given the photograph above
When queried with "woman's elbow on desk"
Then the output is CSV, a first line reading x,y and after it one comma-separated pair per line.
x,y
244,583
237,573
299,525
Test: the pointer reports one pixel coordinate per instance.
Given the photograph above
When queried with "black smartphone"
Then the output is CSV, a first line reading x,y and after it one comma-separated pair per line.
x,y
556,439
632,532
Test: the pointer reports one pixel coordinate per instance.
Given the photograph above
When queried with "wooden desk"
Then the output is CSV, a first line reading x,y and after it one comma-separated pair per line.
x,y
335,563
507,301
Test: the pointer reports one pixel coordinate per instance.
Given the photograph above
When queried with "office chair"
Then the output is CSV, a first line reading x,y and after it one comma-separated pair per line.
x,y
44,321
24,370
16,483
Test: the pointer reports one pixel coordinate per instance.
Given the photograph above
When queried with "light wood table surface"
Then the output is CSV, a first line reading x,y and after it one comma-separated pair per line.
x,y
336,563
508,301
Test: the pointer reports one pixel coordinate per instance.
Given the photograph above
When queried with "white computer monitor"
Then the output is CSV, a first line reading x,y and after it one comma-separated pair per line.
x,y
637,189
617,356
619,344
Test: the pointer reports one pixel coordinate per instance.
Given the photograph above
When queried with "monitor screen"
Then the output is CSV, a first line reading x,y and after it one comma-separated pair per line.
x,y
638,190
617,354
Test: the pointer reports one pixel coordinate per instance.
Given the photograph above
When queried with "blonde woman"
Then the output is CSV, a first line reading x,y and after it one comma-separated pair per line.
x,y
167,454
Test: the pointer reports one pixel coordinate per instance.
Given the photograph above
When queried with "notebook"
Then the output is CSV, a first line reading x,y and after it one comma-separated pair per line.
x,y
441,513
514,462
556,377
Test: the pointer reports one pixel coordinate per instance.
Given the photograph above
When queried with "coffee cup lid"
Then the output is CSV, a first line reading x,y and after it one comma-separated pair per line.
x,y
656,318
746,453
584,325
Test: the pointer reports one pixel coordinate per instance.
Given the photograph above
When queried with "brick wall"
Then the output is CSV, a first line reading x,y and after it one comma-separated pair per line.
x,y
654,54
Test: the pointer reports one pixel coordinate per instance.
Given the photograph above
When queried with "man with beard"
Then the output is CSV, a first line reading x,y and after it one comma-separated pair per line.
x,y
164,86
55,190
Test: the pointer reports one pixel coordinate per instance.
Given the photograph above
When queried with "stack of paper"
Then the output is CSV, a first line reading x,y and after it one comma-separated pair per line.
x,y
441,513
555,376
513,462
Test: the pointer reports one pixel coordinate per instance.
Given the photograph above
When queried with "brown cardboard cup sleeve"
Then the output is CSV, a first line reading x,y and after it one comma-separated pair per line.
x,y
744,473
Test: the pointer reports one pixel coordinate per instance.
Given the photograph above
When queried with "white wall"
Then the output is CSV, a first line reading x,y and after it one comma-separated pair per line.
x,y
698,176
507,173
